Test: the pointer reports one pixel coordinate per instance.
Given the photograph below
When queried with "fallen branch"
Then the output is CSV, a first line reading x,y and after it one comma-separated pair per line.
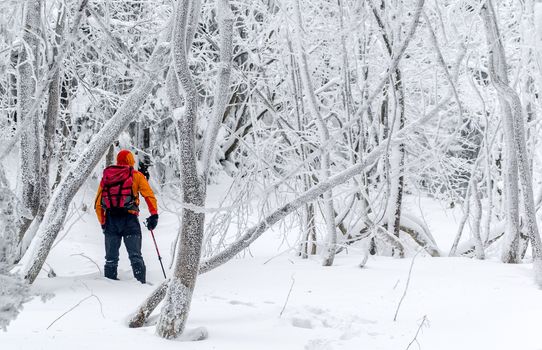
x,y
406,286
92,261
73,308
288,296
415,339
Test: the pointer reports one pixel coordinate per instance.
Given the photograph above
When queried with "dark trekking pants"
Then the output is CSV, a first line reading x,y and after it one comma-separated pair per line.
x,y
118,227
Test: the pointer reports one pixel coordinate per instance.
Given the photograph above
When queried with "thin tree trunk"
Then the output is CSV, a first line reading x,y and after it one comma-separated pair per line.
x,y
476,224
396,157
27,117
51,120
325,162
518,149
510,250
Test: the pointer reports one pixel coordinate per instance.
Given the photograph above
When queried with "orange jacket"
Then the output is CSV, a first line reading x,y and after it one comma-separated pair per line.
x,y
139,186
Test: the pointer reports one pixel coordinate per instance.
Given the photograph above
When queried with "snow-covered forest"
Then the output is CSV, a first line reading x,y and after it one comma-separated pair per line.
x,y
338,174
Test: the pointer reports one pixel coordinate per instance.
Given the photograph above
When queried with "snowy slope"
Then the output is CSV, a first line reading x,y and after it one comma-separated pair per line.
x,y
468,304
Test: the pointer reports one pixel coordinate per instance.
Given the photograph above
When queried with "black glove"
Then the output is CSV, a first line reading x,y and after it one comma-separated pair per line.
x,y
152,221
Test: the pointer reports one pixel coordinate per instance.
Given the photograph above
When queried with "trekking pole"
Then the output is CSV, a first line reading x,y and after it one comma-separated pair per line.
x,y
158,252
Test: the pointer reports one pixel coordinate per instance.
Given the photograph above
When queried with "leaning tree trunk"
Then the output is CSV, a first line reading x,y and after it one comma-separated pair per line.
x,y
519,149
181,286
243,242
146,308
55,213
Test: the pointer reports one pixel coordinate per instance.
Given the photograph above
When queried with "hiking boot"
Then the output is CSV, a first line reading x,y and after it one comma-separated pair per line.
x,y
139,272
110,272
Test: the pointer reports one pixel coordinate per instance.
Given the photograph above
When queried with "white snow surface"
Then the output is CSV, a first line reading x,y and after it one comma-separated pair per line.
x,y
468,304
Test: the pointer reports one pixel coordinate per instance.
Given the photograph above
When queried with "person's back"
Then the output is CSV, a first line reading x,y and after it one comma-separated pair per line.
x,y
117,208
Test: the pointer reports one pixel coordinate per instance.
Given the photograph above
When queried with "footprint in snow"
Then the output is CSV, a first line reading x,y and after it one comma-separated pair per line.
x,y
237,302
302,323
316,310
318,344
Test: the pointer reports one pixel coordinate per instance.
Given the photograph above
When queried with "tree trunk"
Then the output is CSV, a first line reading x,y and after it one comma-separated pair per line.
x,y
517,126
325,162
181,286
510,250
28,118
51,120
396,156
476,224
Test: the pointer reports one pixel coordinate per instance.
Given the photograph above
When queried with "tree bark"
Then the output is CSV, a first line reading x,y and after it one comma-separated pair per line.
x,y
325,162
517,127
27,117
179,292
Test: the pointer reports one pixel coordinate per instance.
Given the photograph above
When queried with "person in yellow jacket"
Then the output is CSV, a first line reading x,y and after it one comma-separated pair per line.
x,y
117,208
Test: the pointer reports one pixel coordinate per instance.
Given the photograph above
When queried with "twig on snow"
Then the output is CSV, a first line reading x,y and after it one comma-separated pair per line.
x,y
94,262
97,298
288,296
407,283
51,273
279,254
415,339
73,307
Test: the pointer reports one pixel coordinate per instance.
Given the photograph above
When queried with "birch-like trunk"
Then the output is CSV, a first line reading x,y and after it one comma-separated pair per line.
x,y
510,248
181,286
179,292
51,119
396,155
308,244
476,222
325,162
27,117
517,124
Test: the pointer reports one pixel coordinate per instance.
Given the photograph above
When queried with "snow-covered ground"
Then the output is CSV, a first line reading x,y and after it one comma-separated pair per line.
x,y
462,303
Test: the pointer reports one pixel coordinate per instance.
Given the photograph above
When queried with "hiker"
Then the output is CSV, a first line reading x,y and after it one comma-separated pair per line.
x,y
117,208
